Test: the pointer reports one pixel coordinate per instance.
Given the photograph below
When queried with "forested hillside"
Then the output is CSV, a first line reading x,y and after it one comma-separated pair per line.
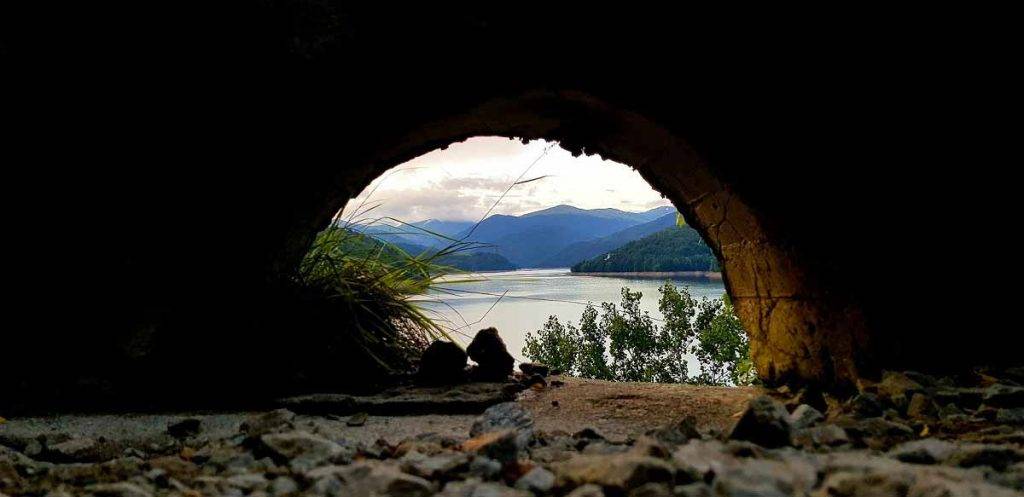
x,y
672,249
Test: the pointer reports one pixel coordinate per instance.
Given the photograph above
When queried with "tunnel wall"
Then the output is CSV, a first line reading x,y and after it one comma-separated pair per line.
x,y
176,171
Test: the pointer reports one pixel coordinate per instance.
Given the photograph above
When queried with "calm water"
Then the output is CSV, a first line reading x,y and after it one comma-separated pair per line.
x,y
531,295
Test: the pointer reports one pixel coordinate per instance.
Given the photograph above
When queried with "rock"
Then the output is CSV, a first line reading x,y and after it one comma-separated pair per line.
x,y
283,486
849,483
969,398
357,419
651,490
699,460
921,406
588,490
82,449
536,381
926,451
538,480
268,422
677,433
615,473
501,445
443,363
444,467
532,368
1013,416
490,354
302,451
821,436
247,482
185,428
998,457
485,468
895,384
369,479
949,410
698,489
481,489
765,422
805,416
120,489
1004,396
787,476
468,398
866,405
504,415
878,433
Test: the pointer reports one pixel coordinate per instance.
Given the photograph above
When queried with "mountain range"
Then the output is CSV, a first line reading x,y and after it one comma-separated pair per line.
x,y
558,236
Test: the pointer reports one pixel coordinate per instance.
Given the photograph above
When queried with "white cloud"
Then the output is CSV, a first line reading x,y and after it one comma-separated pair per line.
x,y
464,180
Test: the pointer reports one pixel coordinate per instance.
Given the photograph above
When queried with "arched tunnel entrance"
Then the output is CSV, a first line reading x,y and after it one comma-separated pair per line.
x,y
799,331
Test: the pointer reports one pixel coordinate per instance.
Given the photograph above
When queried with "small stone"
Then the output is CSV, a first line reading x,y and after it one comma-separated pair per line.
x,y
617,473
866,405
538,480
895,384
949,410
996,456
120,489
185,428
698,489
443,363
282,486
677,433
921,406
1013,416
505,415
765,422
588,490
805,416
369,478
302,450
481,489
82,449
651,490
357,419
501,445
247,482
485,468
444,467
532,368
1004,396
926,451
268,422
490,354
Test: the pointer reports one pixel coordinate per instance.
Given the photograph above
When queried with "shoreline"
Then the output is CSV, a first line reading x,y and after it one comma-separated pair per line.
x,y
710,275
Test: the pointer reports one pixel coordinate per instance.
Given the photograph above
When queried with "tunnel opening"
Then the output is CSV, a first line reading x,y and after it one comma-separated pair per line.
x,y
523,237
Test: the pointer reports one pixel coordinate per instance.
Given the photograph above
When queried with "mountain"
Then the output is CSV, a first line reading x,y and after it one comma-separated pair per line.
x,y
671,249
421,233
529,240
581,251
466,261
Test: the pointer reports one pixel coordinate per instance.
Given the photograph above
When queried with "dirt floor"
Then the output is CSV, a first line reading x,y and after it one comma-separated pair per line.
x,y
619,411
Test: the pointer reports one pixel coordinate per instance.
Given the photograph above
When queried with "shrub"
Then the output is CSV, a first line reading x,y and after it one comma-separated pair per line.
x,y
625,344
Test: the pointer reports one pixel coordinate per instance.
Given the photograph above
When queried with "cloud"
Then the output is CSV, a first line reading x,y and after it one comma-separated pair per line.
x,y
463,182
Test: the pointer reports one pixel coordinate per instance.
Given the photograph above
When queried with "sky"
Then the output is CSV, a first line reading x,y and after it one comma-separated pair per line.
x,y
462,182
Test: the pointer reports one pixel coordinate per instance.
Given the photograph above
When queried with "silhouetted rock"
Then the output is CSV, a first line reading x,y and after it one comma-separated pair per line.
x,y
443,363
765,422
494,363
532,368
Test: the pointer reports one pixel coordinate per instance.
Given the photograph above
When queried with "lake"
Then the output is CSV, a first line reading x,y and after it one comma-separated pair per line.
x,y
531,295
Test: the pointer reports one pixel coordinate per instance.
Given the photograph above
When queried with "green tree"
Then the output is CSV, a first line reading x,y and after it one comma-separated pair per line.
x,y
625,344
